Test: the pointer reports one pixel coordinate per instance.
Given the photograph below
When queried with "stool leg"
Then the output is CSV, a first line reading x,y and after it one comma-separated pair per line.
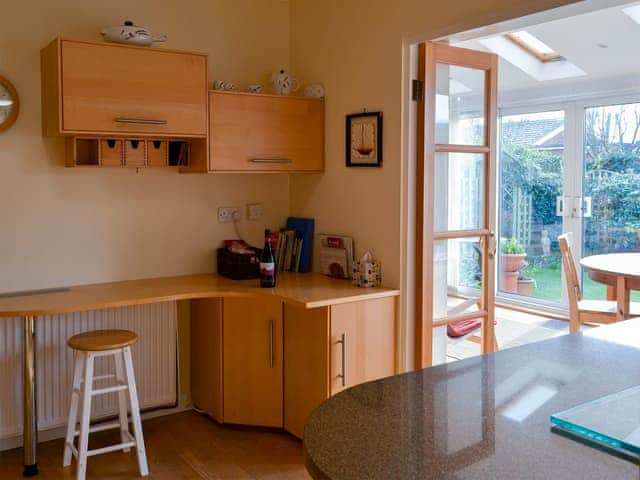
x,y
135,413
122,399
85,422
73,408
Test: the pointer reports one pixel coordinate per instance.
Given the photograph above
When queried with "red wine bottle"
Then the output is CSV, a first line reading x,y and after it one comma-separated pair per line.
x,y
267,263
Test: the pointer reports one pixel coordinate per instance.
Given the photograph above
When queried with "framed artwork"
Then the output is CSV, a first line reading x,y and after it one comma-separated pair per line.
x,y
364,139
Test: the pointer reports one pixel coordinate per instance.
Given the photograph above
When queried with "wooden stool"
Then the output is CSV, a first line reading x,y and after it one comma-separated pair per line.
x,y
88,346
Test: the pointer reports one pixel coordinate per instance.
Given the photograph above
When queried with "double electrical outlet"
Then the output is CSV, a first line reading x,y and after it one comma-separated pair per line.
x,y
230,214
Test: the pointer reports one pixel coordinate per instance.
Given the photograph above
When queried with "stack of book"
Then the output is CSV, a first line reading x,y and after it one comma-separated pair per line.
x,y
289,250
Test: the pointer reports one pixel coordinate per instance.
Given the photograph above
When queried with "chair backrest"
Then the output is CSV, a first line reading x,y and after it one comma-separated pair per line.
x,y
571,275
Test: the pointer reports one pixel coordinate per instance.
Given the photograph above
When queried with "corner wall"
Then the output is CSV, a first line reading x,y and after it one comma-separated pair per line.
x,y
64,226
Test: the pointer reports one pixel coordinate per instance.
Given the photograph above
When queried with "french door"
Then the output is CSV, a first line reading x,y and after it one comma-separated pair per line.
x,y
455,207
567,168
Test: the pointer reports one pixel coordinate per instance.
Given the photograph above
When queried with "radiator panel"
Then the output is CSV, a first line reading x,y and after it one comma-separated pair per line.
x,y
154,358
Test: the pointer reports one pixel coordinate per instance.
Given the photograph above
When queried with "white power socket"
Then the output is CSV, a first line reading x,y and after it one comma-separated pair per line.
x,y
229,214
254,211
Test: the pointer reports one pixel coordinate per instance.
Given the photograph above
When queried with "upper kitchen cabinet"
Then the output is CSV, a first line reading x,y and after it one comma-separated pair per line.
x,y
110,89
265,133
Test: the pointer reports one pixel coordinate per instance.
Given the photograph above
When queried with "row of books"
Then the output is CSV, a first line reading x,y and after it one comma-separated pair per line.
x,y
288,250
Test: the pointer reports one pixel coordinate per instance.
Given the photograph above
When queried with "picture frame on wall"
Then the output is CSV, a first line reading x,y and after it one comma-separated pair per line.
x,y
364,139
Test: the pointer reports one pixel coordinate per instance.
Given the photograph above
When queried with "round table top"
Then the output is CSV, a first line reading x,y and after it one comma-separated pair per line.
x,y
619,264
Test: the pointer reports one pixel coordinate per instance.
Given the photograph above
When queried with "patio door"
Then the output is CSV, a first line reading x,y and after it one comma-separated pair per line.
x,y
566,168
455,214
538,199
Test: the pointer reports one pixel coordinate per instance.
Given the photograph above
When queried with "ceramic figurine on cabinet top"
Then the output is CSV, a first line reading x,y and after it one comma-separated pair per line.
x,y
132,34
283,83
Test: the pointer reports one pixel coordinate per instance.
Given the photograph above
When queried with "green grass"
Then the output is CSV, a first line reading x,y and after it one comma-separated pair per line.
x,y
549,284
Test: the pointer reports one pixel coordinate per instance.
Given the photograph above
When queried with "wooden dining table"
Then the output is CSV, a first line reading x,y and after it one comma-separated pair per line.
x,y
620,272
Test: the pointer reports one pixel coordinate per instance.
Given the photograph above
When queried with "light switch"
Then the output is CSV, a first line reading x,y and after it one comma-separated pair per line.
x,y
254,211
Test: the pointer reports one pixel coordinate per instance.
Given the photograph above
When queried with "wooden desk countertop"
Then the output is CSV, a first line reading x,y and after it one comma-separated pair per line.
x,y
310,290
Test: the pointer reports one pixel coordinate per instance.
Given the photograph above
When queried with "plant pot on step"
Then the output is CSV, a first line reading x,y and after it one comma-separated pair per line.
x,y
526,286
510,266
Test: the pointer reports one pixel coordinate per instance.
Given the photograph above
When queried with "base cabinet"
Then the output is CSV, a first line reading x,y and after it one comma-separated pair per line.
x,y
257,362
333,348
237,360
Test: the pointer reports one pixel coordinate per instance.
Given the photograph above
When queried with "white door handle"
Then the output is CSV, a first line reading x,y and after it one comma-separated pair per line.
x,y
586,207
559,206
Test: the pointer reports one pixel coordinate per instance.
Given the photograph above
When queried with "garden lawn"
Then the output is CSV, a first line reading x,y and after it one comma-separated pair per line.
x,y
549,284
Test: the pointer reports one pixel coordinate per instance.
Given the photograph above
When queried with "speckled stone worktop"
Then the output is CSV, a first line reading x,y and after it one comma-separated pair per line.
x,y
482,418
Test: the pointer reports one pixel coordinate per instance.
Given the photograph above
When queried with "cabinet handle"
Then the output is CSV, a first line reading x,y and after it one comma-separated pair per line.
x,y
270,160
343,342
140,121
271,356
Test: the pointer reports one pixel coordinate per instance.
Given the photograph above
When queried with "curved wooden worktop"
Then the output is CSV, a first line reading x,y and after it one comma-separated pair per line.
x,y
306,289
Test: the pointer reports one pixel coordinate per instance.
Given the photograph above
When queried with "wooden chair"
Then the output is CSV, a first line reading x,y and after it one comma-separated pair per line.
x,y
88,346
588,312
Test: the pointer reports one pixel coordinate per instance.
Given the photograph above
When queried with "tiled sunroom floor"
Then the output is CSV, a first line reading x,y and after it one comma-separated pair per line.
x,y
513,328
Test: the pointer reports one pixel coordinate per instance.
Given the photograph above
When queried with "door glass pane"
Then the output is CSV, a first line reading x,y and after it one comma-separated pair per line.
x,y
458,191
531,178
460,105
457,283
611,223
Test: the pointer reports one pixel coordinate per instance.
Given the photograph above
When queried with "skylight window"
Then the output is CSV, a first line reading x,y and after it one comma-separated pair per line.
x,y
534,46
633,12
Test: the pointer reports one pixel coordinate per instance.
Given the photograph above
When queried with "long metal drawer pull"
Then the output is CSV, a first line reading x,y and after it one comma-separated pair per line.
x,y
271,357
141,121
343,375
270,160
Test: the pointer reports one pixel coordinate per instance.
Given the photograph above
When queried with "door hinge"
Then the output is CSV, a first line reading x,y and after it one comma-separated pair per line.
x,y
417,90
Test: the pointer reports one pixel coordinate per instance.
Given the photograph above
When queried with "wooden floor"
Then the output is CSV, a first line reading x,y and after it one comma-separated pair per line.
x,y
182,446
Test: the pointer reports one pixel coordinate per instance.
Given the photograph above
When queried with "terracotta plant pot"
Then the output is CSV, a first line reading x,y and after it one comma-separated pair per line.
x,y
512,262
509,282
526,286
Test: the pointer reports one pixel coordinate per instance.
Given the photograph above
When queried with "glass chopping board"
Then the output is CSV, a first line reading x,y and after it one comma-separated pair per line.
x,y
610,423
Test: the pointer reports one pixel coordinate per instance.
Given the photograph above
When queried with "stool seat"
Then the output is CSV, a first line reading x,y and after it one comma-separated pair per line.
x,y
102,340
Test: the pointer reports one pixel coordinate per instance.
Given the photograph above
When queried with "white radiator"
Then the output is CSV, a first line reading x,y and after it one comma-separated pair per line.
x,y
154,358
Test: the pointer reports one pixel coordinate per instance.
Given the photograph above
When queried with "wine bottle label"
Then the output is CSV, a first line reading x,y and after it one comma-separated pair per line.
x,y
267,269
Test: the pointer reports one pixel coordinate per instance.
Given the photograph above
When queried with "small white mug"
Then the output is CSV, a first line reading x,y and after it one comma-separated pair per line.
x,y
315,90
222,85
255,88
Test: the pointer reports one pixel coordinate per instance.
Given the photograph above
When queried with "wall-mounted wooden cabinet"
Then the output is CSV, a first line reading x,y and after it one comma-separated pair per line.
x,y
109,89
265,133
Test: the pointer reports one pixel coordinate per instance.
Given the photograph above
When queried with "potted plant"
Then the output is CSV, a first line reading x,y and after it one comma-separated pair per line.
x,y
526,285
512,257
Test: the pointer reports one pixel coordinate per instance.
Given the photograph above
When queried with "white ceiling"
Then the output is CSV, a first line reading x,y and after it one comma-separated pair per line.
x,y
577,39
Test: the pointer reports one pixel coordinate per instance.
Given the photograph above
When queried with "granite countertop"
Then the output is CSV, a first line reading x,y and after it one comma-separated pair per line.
x,y
482,418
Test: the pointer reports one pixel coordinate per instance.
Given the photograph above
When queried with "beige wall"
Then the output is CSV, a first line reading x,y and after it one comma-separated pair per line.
x,y
355,48
64,226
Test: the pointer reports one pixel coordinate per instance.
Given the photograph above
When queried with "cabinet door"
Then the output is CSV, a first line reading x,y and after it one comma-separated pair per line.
x,y
124,89
306,364
362,342
252,365
252,132
206,355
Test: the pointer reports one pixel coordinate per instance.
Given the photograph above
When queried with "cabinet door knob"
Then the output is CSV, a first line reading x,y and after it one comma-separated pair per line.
x,y
343,352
